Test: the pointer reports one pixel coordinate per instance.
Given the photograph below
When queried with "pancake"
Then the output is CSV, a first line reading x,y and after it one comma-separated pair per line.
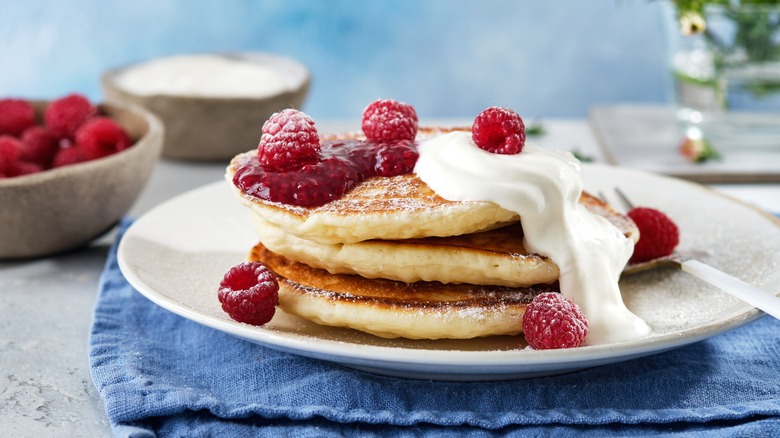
x,y
394,259
494,257
390,309
399,207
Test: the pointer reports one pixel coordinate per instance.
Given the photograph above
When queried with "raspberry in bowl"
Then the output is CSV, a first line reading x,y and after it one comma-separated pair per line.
x,y
57,195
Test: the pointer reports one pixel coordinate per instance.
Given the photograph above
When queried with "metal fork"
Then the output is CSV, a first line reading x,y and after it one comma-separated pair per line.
x,y
759,298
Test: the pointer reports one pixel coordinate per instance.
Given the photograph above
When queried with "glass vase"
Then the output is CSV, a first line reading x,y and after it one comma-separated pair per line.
x,y
727,78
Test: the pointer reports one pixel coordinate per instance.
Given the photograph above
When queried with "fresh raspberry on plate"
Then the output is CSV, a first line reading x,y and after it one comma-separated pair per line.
x,y
289,140
10,149
658,234
387,120
39,146
249,292
16,115
101,137
552,321
68,154
499,130
65,116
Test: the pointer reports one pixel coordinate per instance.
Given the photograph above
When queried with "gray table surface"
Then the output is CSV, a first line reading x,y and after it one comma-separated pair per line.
x,y
46,305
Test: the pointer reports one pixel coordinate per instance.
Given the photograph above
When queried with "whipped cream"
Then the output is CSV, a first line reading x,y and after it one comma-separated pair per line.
x,y
544,188
203,75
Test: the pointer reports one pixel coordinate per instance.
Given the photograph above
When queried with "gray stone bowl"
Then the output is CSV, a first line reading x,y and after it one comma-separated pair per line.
x,y
215,128
65,208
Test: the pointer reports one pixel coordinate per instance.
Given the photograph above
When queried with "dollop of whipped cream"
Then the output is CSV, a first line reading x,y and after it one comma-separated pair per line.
x,y
544,188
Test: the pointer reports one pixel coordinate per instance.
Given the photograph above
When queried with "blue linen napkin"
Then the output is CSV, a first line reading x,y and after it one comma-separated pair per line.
x,y
162,375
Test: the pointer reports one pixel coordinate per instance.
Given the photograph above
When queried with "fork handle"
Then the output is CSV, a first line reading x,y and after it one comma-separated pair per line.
x,y
748,293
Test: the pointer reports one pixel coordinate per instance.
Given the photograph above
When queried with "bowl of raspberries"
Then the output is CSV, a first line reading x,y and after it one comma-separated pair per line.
x,y
69,170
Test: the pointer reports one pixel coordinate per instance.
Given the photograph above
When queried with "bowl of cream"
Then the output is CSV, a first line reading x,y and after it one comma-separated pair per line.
x,y
213,105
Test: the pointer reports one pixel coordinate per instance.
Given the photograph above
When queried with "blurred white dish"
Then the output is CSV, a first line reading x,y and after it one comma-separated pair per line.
x,y
210,75
206,125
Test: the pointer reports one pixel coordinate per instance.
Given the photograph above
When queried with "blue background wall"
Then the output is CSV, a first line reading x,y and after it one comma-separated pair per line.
x,y
450,58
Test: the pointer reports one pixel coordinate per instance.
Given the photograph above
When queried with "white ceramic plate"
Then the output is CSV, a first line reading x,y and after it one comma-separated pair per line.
x,y
177,254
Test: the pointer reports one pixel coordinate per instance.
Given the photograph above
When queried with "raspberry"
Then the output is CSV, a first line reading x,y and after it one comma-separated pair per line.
x,y
249,292
396,158
10,149
289,140
65,116
552,321
389,120
39,146
16,115
658,235
68,154
21,168
100,137
499,130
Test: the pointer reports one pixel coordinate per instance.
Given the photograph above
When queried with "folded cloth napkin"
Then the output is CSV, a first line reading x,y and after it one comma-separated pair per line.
x,y
162,375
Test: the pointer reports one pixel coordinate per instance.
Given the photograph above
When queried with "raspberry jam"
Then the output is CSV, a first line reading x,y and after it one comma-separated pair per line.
x,y
342,165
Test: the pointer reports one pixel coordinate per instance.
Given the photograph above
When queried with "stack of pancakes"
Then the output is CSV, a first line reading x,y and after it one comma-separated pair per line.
x,y
394,259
